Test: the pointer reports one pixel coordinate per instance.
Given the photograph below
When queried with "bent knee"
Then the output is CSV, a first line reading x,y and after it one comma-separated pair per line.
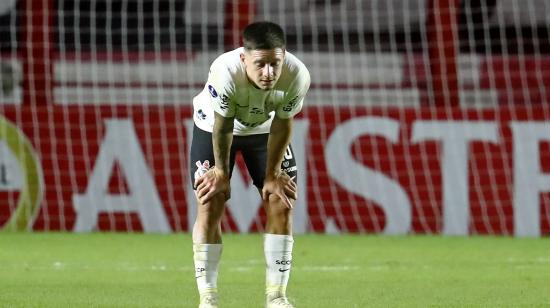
x,y
215,205
276,206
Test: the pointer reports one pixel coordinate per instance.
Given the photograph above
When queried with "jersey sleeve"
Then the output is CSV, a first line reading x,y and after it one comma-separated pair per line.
x,y
221,87
294,98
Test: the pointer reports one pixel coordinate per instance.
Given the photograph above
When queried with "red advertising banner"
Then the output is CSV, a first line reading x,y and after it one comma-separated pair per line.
x,y
376,170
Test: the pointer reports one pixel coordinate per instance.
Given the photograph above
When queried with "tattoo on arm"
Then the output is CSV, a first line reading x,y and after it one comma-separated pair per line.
x,y
222,138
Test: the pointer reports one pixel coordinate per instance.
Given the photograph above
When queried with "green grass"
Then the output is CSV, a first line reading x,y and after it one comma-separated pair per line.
x,y
137,270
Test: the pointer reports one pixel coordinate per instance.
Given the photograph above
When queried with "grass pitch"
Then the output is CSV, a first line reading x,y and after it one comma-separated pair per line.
x,y
141,270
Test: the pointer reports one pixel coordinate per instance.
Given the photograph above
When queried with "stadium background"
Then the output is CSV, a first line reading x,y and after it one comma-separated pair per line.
x,y
424,116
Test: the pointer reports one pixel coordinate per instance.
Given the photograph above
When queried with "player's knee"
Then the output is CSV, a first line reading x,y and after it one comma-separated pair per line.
x,y
213,209
277,207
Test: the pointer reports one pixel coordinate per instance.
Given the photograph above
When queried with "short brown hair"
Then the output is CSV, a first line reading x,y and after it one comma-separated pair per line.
x,y
263,35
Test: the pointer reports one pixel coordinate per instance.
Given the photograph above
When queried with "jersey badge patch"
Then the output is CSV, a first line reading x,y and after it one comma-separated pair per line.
x,y
212,91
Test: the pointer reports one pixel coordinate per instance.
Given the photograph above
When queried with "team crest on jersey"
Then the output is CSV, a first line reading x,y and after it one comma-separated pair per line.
x,y
212,91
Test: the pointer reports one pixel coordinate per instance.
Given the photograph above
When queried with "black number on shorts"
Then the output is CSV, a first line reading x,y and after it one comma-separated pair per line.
x,y
288,153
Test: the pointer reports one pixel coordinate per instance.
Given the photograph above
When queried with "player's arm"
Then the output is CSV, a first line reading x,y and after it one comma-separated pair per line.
x,y
276,181
216,180
221,86
222,138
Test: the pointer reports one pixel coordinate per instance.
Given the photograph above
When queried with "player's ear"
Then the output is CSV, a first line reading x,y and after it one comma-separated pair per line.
x,y
242,57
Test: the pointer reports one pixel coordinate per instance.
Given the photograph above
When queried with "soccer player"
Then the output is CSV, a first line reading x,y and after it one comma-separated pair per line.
x,y
247,105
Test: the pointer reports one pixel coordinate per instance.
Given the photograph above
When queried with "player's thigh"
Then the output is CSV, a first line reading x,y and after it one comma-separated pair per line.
x,y
202,153
255,158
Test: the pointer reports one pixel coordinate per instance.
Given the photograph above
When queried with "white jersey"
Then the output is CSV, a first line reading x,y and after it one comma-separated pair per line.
x,y
229,93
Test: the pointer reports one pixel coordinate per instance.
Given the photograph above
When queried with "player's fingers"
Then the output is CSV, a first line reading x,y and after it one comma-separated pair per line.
x,y
289,180
285,200
206,197
291,193
288,203
291,187
205,178
201,188
198,181
204,200
206,187
285,176
292,184
265,195
292,181
201,193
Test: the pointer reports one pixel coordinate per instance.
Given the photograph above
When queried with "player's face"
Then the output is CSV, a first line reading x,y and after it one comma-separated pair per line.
x,y
263,66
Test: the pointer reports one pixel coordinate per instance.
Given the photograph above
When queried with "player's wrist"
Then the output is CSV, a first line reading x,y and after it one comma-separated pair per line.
x,y
273,174
222,172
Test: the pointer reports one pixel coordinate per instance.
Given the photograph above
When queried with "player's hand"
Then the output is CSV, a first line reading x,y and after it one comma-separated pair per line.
x,y
281,185
213,182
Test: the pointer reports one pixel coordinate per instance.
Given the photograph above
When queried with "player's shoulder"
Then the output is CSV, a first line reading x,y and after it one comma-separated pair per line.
x,y
229,61
295,65
297,73
227,71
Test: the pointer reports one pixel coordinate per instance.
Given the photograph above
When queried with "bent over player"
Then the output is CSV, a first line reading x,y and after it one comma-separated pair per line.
x,y
247,106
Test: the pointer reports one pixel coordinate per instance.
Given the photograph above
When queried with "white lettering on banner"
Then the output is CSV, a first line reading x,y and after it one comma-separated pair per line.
x,y
357,178
245,199
529,180
455,138
120,145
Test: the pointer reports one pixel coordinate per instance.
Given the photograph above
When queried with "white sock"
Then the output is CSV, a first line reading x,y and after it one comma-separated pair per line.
x,y
278,257
207,258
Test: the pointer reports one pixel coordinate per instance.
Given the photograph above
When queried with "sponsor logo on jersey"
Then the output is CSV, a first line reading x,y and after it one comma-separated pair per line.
x,y
250,124
291,104
212,91
224,102
256,110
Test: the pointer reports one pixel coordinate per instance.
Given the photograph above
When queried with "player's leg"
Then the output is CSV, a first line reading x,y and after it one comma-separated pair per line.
x,y
207,249
278,240
207,240
278,245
